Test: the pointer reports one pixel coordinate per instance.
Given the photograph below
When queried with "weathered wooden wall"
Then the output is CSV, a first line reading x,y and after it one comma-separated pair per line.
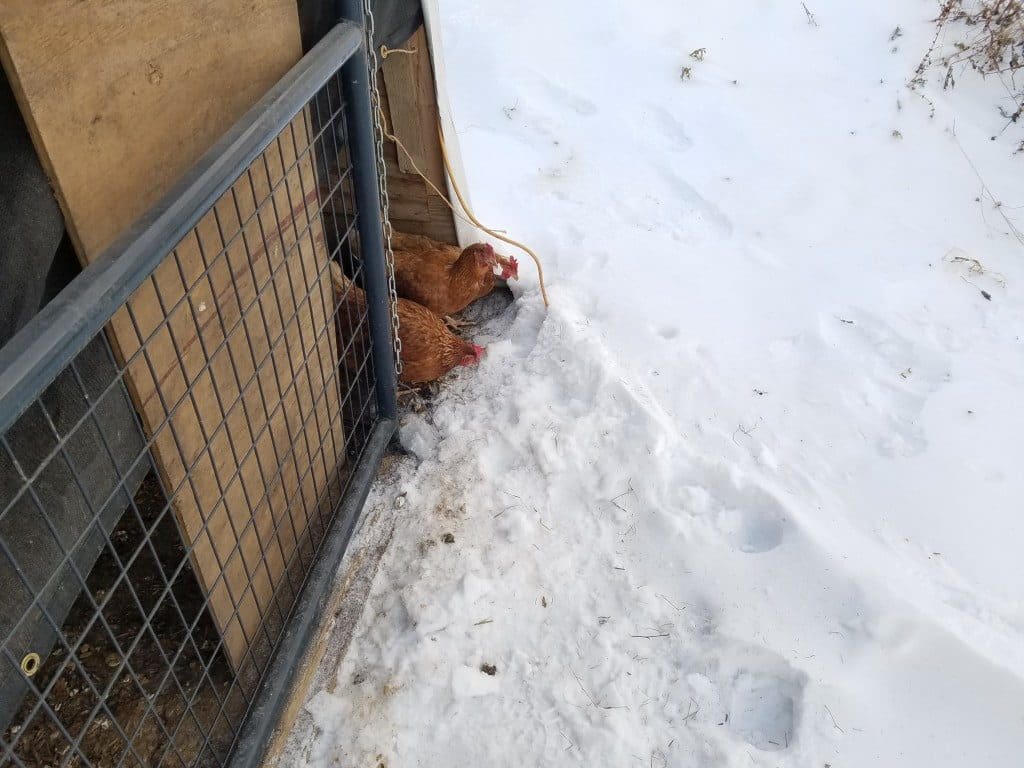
x,y
410,104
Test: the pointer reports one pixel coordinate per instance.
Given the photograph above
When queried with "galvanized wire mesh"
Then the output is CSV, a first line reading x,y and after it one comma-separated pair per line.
x,y
163,499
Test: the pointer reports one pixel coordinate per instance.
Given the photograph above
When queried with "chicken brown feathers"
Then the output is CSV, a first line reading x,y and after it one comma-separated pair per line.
x,y
442,277
400,241
429,349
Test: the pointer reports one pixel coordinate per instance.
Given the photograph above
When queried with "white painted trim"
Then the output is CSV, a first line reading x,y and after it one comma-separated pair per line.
x,y
466,232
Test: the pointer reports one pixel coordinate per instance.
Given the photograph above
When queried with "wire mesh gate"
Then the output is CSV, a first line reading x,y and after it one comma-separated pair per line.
x,y
187,434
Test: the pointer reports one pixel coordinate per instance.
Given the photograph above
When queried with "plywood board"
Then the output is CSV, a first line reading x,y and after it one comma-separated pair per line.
x,y
123,97
239,388
230,352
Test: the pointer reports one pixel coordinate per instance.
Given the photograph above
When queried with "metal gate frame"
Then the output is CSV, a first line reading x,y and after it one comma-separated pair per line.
x,y
53,339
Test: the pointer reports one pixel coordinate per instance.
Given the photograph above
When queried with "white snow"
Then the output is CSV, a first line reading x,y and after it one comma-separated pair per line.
x,y
749,493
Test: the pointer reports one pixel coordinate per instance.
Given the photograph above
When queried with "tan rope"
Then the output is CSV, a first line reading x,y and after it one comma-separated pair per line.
x,y
385,51
472,220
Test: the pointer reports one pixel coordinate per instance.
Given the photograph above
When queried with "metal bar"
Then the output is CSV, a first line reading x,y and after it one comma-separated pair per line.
x,y
273,694
359,119
34,357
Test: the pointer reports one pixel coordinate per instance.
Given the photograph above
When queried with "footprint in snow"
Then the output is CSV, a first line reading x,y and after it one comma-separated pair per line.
x,y
762,696
558,94
749,518
755,529
895,375
667,124
763,709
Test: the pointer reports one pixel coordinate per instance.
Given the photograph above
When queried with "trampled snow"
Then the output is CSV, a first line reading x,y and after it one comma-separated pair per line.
x,y
749,493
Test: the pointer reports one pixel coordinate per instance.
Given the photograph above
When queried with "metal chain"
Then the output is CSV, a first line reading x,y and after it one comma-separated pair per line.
x,y
382,183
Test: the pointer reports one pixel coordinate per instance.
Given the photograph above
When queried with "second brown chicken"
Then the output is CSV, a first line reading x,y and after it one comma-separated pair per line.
x,y
429,348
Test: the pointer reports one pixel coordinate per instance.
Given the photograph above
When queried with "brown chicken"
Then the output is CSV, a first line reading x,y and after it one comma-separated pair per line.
x,y
442,277
429,349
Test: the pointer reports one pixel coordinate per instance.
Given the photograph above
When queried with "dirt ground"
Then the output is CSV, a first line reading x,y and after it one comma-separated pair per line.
x,y
173,699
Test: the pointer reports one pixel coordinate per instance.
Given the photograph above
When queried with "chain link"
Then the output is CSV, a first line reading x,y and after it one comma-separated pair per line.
x,y
382,183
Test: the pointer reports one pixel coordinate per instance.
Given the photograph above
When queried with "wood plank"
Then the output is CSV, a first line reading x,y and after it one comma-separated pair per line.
x,y
230,352
408,98
408,101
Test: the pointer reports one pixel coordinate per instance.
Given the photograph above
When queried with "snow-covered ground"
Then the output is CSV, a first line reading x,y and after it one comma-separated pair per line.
x,y
750,492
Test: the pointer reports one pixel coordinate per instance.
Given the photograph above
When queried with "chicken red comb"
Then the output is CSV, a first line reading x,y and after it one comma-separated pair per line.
x,y
478,351
510,268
